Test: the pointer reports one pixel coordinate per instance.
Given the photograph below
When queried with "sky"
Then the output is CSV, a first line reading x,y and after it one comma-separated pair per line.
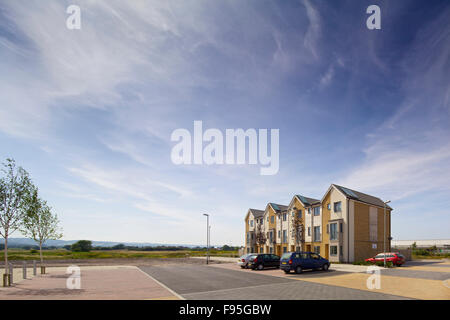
x,y
89,113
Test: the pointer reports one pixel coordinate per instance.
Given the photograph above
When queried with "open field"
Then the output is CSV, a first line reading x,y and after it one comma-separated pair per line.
x,y
20,254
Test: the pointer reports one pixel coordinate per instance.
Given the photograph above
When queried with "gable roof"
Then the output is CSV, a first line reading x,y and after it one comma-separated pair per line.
x,y
356,195
306,200
256,213
278,207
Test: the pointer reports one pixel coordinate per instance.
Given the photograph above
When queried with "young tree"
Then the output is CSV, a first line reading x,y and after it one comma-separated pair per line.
x,y
260,236
39,223
297,230
15,185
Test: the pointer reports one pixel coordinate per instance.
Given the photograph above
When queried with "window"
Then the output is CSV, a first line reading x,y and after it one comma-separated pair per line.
x,y
309,210
337,206
340,227
333,231
284,249
261,250
267,219
315,255
333,251
251,223
272,219
373,225
286,256
329,206
284,216
271,236
305,255
317,249
316,233
299,214
279,234
316,211
271,250
262,221
284,236
309,231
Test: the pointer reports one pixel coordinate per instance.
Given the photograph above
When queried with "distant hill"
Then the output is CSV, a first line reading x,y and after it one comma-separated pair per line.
x,y
20,242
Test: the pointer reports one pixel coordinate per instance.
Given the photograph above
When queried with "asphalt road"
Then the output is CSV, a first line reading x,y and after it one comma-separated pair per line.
x,y
201,282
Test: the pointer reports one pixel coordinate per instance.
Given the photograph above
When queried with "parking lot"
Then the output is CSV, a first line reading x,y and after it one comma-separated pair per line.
x,y
229,281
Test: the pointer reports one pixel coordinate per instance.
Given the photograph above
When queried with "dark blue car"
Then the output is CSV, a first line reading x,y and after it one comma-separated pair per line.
x,y
299,261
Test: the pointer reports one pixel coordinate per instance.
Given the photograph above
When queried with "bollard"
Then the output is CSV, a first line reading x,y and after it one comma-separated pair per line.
x,y
24,269
5,280
11,274
34,267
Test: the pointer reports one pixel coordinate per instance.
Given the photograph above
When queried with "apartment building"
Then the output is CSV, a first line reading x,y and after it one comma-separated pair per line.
x,y
344,226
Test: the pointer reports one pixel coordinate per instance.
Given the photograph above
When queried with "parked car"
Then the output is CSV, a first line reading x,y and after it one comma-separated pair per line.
x,y
243,261
396,258
264,260
299,261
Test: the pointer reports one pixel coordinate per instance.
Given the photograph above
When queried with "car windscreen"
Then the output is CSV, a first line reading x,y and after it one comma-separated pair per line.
x,y
286,256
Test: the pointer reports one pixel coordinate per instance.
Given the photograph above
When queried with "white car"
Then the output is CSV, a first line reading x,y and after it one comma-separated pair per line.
x,y
244,260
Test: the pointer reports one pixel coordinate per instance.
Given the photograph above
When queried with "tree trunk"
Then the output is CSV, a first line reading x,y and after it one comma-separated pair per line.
x,y
6,255
40,253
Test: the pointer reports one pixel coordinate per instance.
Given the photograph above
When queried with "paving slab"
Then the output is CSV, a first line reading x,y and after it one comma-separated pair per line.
x,y
111,282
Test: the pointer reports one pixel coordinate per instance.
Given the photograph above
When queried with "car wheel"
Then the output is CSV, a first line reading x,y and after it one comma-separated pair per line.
x,y
260,267
325,267
298,270
242,267
287,271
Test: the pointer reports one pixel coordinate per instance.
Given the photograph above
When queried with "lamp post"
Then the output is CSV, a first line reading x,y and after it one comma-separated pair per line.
x,y
207,237
384,233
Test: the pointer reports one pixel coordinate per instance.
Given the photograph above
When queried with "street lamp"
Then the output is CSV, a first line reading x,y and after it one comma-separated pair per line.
x,y
384,233
207,237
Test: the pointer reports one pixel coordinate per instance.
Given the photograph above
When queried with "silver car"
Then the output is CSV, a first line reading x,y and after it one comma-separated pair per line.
x,y
244,260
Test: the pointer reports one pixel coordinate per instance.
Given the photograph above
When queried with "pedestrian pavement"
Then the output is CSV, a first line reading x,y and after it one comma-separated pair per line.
x,y
96,282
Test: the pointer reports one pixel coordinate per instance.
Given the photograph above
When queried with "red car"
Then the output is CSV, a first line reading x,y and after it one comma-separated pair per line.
x,y
396,258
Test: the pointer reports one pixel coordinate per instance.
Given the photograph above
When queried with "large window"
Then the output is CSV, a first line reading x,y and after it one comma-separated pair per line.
x,y
272,219
333,231
284,216
333,251
337,206
251,223
316,233
299,214
316,211
284,236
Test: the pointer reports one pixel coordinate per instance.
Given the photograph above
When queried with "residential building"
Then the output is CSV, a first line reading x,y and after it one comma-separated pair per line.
x,y
344,226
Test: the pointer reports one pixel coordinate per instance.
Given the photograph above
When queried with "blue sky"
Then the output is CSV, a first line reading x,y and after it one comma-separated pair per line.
x,y
89,112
